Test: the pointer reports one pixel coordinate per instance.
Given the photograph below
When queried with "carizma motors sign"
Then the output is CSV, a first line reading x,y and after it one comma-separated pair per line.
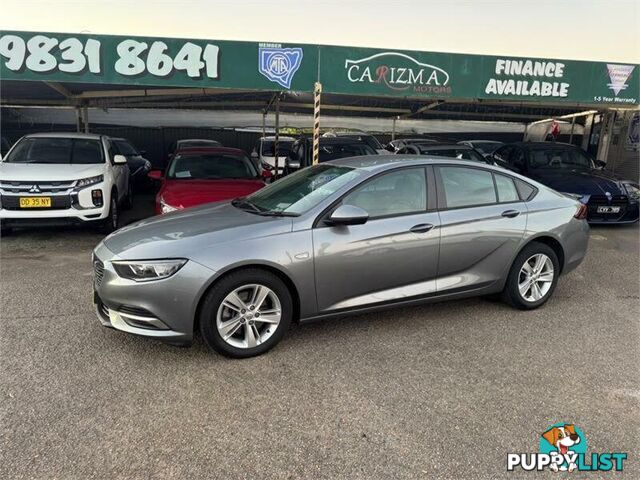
x,y
397,72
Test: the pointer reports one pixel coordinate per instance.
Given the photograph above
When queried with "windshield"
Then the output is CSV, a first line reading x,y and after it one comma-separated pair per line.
x,y
302,190
459,153
333,152
284,147
487,147
197,143
126,148
558,158
368,139
211,167
55,150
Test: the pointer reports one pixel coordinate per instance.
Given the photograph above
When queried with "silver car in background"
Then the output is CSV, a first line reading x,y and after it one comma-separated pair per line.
x,y
346,236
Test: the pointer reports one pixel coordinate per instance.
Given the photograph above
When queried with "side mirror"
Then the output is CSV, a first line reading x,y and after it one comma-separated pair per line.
x,y
348,215
390,148
142,152
600,164
266,174
119,159
254,154
155,174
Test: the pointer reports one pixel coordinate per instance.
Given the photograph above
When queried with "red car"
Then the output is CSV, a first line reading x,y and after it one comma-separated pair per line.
x,y
206,174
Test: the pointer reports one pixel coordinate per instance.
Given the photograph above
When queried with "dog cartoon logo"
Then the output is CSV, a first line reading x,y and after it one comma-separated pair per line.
x,y
563,439
279,64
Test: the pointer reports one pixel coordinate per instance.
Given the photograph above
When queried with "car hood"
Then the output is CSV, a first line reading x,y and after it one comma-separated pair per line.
x,y
189,193
44,171
185,233
582,182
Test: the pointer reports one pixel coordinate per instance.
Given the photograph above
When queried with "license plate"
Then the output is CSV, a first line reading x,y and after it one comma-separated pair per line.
x,y
608,209
35,202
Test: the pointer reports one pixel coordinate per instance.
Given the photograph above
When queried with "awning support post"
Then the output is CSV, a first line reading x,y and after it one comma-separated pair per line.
x,y
393,129
573,123
85,111
277,135
317,93
78,120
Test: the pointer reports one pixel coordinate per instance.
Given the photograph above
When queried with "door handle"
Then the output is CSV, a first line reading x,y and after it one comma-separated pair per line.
x,y
421,228
510,213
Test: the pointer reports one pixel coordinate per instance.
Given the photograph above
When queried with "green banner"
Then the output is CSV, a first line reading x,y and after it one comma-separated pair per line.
x,y
172,62
365,71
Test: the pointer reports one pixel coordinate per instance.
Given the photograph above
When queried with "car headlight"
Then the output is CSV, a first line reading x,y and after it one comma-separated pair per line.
x,y
166,208
84,182
144,271
632,190
147,165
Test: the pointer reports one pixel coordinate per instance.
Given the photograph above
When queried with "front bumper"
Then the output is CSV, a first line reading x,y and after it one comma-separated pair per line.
x,y
74,205
162,309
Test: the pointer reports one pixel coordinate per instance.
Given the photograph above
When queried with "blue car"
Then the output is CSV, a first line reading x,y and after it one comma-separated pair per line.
x,y
569,169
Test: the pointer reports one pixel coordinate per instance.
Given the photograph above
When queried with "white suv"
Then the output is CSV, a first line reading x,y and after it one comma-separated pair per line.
x,y
69,177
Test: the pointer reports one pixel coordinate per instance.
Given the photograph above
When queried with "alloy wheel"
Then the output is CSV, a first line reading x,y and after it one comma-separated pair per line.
x,y
248,316
536,277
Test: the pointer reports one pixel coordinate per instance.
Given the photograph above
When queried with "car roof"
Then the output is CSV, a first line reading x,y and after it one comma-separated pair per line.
x,y
444,146
197,140
194,150
543,144
280,138
86,136
384,162
481,141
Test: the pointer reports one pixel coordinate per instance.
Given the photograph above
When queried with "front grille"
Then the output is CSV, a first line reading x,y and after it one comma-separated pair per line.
x,y
98,271
596,201
36,187
60,202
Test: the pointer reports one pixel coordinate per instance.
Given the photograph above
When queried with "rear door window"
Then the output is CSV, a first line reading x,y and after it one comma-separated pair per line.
x,y
467,187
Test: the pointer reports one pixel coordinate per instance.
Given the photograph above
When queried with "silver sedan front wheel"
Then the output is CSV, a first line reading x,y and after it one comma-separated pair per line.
x,y
536,277
248,316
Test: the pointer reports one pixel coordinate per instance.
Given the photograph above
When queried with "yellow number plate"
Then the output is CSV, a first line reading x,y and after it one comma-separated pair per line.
x,y
35,202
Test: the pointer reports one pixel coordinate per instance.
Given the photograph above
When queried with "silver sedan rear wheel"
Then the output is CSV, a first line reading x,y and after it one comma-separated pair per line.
x,y
248,316
536,277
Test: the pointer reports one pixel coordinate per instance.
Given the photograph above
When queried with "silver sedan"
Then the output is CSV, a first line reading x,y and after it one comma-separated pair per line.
x,y
343,237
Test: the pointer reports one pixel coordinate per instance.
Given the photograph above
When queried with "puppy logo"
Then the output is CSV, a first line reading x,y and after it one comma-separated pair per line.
x,y
563,438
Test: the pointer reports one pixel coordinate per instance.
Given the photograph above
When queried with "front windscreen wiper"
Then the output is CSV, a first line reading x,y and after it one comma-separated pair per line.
x,y
245,205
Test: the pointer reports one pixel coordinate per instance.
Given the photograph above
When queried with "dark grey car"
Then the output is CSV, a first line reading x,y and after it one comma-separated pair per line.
x,y
351,235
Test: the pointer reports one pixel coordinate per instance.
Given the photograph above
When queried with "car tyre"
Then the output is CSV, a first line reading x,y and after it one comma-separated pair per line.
x,y
213,322
110,224
519,290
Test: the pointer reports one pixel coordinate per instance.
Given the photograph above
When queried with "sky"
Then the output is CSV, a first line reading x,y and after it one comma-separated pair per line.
x,y
602,30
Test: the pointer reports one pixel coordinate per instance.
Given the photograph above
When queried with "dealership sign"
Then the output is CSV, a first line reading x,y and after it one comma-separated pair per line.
x,y
173,62
393,71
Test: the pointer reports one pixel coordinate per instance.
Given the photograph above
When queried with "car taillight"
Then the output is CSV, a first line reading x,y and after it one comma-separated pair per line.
x,y
581,213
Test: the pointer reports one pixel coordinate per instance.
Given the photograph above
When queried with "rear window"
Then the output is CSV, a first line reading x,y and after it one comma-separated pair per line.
x,y
459,153
283,148
211,167
198,143
57,151
333,152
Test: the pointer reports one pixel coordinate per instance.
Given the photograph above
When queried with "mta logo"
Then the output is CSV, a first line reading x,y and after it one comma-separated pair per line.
x,y
279,64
